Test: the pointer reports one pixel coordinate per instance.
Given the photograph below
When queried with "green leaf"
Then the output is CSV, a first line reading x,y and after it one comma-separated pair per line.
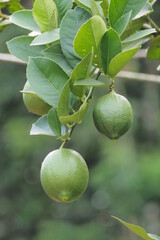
x,y
20,47
94,8
120,60
134,44
46,37
147,9
138,35
153,236
62,6
154,49
122,23
90,82
55,53
105,6
133,26
119,8
14,5
135,229
63,104
41,127
46,78
54,122
88,37
77,117
45,14
24,19
71,22
110,47
81,71
84,3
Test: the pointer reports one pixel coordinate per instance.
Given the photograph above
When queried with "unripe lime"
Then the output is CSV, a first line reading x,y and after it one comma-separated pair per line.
x,y
112,115
64,175
33,102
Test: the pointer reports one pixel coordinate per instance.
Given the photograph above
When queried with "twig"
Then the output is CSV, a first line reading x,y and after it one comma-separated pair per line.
x,y
9,58
139,76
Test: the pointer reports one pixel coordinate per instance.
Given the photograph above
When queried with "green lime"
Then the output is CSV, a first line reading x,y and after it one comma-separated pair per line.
x,y
112,115
64,175
33,102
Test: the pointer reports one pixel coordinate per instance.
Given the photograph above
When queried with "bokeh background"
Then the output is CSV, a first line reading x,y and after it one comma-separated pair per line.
x,y
124,175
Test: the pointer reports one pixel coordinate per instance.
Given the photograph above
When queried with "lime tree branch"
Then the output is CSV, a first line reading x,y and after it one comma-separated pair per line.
x,y
123,74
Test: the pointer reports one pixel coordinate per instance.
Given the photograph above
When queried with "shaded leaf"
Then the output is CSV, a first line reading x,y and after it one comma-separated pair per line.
x,y
147,9
41,127
46,37
90,82
55,53
138,35
62,6
20,47
63,104
24,19
154,49
71,23
46,78
54,122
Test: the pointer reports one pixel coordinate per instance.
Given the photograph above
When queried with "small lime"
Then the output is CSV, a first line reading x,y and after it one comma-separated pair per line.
x,y
112,115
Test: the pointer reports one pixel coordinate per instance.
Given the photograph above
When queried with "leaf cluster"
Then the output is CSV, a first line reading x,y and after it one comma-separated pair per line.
x,y
69,44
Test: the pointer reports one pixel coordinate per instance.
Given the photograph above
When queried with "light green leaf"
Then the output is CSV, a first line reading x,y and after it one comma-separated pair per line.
x,y
94,8
122,23
134,44
46,37
63,104
135,229
62,6
119,8
110,47
147,9
81,71
88,37
90,82
153,236
84,3
71,22
54,122
45,14
77,117
41,127
24,19
120,60
46,78
20,47
138,35
154,49
55,53
105,5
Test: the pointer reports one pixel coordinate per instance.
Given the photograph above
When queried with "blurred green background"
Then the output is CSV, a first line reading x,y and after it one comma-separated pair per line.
x,y
124,175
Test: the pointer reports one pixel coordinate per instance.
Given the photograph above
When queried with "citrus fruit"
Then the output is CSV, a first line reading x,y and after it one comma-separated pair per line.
x,y
64,175
112,115
33,102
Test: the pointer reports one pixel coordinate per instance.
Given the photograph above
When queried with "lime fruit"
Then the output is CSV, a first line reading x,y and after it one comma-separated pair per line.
x,y
112,115
64,175
33,102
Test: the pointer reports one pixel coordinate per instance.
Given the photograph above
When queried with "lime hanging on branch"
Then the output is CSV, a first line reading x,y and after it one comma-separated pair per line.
x,y
64,175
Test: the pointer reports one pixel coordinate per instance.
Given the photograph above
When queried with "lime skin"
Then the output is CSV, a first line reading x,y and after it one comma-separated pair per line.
x,y
112,115
64,175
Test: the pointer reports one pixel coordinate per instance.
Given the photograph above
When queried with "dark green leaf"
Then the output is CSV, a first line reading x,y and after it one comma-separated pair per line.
x,y
110,47
20,47
41,127
24,19
54,122
122,23
55,53
46,37
71,23
63,104
46,79
62,6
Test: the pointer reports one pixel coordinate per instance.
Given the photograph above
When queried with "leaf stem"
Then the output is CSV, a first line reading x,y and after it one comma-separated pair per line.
x,y
153,24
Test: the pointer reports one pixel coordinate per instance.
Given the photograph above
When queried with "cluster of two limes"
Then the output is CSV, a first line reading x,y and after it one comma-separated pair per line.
x,y
64,173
